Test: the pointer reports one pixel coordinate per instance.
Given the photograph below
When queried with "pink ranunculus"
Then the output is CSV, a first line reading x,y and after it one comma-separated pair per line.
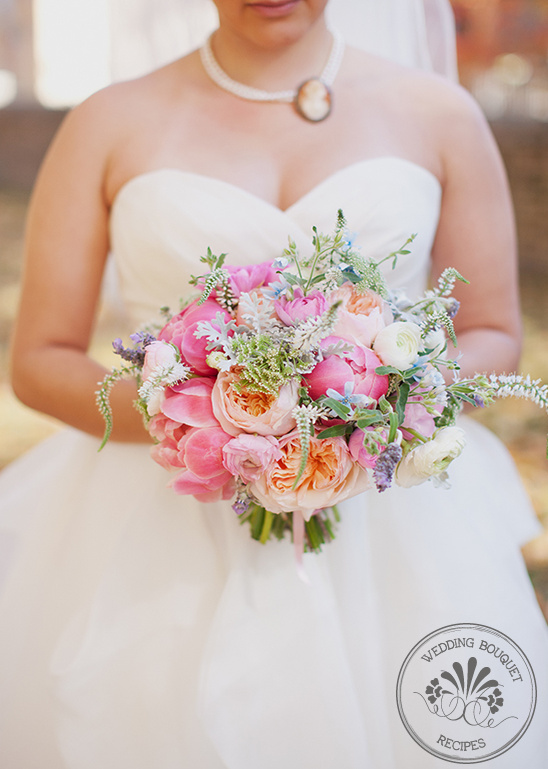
x,y
357,367
253,412
358,451
249,456
330,477
361,316
181,329
190,403
245,278
417,418
301,307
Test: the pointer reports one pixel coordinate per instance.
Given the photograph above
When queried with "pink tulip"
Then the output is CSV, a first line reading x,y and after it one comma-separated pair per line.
x,y
202,452
189,403
204,490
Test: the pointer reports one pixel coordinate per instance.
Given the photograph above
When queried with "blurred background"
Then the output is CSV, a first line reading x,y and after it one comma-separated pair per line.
x,y
54,53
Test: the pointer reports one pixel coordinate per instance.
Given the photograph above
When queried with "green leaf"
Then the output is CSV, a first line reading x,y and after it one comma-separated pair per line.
x,y
336,431
292,279
339,408
385,370
375,418
402,401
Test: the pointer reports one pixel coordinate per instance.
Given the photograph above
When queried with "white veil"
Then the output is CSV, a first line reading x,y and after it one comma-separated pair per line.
x,y
418,33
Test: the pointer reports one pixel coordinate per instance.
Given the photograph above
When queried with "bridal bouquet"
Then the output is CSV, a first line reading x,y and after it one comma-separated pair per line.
x,y
297,383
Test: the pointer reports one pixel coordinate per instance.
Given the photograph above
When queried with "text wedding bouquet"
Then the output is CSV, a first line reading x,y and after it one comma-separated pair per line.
x,y
297,383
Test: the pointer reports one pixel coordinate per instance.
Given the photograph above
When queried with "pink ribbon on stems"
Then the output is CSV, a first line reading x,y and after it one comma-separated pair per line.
x,y
298,544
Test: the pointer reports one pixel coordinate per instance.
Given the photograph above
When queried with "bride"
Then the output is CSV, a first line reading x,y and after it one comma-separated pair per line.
x,y
147,630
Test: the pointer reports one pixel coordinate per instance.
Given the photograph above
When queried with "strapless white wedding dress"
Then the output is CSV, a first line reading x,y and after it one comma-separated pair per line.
x,y
142,630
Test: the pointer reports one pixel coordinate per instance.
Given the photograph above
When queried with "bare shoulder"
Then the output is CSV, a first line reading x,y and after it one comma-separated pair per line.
x,y
426,116
449,116
106,126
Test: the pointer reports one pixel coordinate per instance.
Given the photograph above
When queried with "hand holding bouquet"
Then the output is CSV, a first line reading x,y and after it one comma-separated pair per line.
x,y
294,384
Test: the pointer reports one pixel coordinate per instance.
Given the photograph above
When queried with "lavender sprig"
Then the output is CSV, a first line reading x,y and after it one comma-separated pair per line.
x,y
385,466
136,354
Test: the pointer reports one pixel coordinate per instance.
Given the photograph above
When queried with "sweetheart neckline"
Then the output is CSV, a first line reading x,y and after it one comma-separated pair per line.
x,y
282,211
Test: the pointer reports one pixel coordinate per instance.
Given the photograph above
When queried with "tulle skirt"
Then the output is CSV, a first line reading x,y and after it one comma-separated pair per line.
x,y
141,630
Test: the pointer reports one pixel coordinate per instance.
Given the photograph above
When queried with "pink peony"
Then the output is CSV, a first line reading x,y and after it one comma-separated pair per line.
x,y
357,367
301,307
249,456
190,403
253,412
180,332
330,477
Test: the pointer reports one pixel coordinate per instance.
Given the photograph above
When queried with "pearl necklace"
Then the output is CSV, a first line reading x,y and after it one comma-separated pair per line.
x,y
313,99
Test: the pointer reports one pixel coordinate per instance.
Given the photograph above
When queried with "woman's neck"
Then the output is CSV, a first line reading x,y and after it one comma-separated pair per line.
x,y
276,67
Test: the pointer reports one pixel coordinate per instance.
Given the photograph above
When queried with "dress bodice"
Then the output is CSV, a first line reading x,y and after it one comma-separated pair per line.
x,y
164,220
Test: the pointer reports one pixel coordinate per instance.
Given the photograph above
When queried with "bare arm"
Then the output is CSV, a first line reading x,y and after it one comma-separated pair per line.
x,y
477,236
65,253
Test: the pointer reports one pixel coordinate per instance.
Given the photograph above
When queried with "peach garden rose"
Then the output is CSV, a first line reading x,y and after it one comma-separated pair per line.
x,y
330,477
253,412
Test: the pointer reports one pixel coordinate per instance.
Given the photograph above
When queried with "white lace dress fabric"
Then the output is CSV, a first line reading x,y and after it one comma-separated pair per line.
x,y
143,630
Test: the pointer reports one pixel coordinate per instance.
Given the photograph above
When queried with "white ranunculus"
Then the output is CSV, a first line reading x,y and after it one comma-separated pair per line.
x,y
430,459
398,344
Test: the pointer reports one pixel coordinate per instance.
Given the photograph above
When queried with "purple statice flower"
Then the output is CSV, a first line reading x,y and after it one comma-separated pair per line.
x,y
242,503
385,466
135,354
478,400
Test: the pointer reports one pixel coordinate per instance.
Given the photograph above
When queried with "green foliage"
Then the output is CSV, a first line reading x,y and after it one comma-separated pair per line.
x,y
102,397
